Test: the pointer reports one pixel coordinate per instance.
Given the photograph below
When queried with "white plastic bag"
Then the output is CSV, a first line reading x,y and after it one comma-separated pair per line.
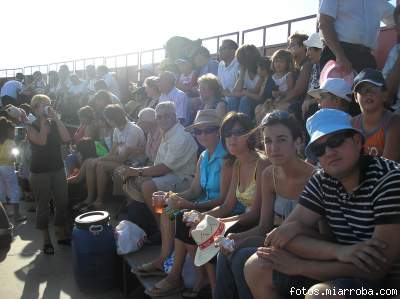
x,y
129,236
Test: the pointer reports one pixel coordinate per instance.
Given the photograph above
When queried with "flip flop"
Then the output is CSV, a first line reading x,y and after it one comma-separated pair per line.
x,y
81,204
190,293
20,218
48,249
148,269
97,205
164,288
66,242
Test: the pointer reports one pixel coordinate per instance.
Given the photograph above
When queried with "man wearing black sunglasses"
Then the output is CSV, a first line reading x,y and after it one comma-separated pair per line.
x,y
359,198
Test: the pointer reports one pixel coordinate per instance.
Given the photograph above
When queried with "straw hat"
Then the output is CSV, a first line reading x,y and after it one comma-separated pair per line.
x,y
207,117
204,234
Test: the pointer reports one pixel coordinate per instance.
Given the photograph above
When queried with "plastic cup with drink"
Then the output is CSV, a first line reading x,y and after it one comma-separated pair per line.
x,y
159,201
224,243
191,217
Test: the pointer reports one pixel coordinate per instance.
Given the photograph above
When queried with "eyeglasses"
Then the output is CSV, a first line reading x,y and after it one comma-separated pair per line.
x,y
334,141
367,89
206,131
235,132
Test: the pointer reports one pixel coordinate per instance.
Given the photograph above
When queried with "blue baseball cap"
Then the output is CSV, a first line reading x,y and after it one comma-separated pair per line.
x,y
324,122
369,75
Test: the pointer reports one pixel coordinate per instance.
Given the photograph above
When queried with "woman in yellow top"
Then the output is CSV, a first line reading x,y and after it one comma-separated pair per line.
x,y
245,189
243,200
9,188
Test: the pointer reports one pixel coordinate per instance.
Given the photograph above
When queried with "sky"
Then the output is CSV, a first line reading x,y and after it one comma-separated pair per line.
x,y
48,31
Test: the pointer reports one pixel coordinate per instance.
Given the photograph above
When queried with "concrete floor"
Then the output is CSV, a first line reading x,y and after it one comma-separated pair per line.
x,y
26,273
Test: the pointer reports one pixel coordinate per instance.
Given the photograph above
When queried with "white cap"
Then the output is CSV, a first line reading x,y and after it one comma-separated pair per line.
x,y
337,86
314,41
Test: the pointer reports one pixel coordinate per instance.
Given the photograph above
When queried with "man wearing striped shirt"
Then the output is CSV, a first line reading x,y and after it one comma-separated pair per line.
x,y
358,197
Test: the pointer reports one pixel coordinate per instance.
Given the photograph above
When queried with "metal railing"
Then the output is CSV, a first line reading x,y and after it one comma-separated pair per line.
x,y
272,28
152,57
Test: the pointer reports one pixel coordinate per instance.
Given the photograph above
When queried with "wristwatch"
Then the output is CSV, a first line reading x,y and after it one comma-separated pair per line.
x,y
140,172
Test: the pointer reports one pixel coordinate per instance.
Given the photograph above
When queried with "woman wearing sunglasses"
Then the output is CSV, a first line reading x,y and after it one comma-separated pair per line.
x,y
208,189
244,193
282,184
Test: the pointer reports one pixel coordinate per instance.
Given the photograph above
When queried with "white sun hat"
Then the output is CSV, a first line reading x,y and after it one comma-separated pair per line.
x,y
314,41
337,86
204,234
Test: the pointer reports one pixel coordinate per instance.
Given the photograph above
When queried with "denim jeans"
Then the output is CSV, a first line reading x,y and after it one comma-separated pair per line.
x,y
247,106
230,276
233,103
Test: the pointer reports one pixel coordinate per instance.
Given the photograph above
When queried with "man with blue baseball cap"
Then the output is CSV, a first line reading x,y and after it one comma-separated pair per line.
x,y
358,198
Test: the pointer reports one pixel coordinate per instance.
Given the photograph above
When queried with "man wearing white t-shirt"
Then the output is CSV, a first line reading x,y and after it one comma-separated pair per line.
x,y
228,69
128,144
174,165
350,30
10,90
391,71
112,84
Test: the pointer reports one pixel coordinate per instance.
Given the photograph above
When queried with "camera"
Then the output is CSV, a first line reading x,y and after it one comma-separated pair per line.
x,y
46,110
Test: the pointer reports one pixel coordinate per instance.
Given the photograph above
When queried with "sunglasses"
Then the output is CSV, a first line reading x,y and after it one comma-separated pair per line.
x,y
235,132
368,90
206,131
333,141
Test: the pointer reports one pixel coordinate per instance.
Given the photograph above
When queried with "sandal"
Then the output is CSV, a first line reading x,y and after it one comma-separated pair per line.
x,y
164,288
148,269
48,249
20,218
79,206
97,205
66,242
190,293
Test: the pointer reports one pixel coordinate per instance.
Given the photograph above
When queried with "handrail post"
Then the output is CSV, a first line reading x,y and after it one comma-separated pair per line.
x,y
264,40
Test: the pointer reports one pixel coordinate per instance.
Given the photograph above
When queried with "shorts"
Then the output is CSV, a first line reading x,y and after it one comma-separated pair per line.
x,y
172,182
9,187
168,182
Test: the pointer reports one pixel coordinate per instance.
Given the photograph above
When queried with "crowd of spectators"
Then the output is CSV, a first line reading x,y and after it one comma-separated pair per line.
x,y
299,171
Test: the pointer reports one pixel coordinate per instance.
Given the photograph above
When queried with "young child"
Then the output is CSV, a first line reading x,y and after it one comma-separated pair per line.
x,y
282,67
380,126
335,93
264,96
85,149
9,188
187,81
87,127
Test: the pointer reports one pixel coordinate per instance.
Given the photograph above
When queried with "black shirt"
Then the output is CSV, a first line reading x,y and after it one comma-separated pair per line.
x,y
47,158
